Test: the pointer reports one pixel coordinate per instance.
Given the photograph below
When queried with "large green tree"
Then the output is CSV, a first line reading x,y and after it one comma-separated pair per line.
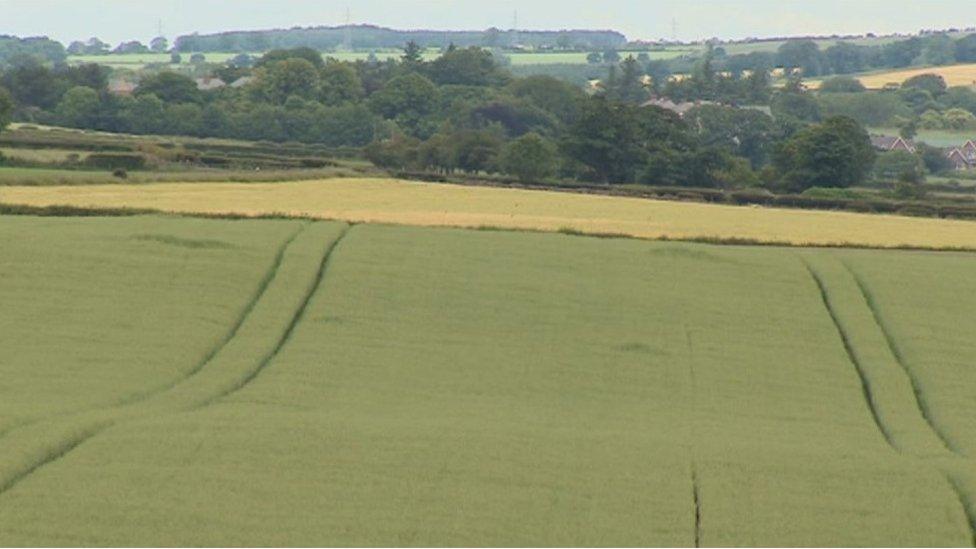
x,y
467,66
339,83
308,54
281,80
170,87
550,94
747,133
614,142
529,158
79,107
835,153
409,100
6,108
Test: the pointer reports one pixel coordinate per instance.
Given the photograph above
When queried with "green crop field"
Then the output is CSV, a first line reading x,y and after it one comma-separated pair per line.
x,y
178,381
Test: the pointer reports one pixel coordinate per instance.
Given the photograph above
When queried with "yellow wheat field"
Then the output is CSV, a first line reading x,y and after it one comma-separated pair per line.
x,y
432,204
954,75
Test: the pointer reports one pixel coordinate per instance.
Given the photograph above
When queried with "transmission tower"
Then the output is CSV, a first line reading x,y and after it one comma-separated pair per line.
x,y
347,39
515,33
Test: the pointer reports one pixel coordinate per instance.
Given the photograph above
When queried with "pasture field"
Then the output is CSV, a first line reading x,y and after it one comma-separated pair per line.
x,y
435,204
30,176
260,382
140,60
44,155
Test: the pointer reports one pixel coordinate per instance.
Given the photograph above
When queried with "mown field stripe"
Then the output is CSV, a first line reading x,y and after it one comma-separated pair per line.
x,y
858,367
923,406
295,320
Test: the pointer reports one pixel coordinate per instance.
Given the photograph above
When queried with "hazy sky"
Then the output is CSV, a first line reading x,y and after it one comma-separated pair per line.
x,y
115,20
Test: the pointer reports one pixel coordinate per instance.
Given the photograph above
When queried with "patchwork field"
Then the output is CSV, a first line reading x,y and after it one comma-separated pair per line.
x,y
171,381
954,75
431,204
140,60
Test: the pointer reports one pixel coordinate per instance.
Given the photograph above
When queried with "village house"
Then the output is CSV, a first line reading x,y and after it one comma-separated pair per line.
x,y
242,81
209,83
887,143
121,87
964,157
680,108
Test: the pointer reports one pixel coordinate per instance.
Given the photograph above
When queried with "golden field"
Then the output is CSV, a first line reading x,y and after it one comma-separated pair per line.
x,y
434,204
954,75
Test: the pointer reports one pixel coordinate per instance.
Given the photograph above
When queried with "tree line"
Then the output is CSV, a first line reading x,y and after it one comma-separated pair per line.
x,y
465,113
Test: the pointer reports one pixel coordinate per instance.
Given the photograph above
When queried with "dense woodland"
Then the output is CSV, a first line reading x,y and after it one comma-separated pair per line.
x,y
465,112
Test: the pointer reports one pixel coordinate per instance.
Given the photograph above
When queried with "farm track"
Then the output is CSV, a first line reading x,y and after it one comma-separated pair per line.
x,y
693,399
696,495
295,320
948,457
269,276
966,503
97,422
923,406
849,349
199,366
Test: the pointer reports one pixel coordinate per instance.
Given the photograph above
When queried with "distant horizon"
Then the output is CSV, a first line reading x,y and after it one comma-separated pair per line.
x,y
121,20
757,38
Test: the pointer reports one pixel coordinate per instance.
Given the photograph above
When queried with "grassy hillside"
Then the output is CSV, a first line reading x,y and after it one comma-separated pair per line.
x,y
417,386
428,204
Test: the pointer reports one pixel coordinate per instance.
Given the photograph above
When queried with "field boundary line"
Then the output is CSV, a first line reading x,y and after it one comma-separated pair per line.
x,y
851,356
78,211
295,320
923,407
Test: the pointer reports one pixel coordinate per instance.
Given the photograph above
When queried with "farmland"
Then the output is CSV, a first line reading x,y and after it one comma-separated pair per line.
x,y
431,204
287,382
139,60
954,75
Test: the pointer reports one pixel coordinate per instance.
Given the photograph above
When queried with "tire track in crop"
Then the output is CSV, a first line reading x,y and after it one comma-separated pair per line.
x,y
693,386
263,285
923,407
62,449
295,320
858,367
968,508
957,490
55,454
696,495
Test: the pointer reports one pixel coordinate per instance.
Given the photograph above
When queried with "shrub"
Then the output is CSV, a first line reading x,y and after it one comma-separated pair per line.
x,y
112,161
